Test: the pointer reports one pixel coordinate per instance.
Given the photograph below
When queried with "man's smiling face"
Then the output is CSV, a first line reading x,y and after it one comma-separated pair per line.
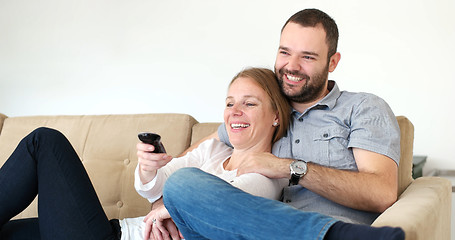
x,y
302,65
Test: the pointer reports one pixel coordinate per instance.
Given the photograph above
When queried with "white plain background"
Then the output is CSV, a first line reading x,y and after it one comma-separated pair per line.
x,y
119,57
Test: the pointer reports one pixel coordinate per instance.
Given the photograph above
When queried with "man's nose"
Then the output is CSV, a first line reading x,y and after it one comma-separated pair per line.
x,y
293,64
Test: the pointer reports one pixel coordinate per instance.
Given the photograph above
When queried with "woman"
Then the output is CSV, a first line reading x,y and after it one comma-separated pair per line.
x,y
254,110
44,163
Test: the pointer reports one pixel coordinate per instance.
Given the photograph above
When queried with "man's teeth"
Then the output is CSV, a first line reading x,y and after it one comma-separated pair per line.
x,y
294,79
239,125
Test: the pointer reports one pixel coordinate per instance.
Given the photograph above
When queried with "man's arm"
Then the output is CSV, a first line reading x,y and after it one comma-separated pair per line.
x,y
373,188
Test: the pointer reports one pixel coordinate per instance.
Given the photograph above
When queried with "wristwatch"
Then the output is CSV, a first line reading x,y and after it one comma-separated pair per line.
x,y
298,170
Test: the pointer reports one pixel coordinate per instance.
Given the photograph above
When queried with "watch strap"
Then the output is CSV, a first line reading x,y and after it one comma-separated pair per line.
x,y
294,179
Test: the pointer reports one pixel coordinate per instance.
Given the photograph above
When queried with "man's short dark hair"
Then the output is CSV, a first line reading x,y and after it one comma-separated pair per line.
x,y
313,17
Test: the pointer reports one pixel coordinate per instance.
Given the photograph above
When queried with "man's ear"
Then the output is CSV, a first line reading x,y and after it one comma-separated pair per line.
x,y
333,62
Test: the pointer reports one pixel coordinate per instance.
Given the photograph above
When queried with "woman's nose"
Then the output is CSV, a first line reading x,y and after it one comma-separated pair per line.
x,y
236,110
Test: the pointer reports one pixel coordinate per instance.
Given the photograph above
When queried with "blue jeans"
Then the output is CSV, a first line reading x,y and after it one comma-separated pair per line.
x,y
45,163
205,207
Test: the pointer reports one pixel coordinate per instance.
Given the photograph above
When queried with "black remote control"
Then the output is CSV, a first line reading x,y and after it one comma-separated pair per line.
x,y
154,139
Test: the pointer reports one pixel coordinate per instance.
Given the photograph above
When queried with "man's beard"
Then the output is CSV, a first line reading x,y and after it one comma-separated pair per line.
x,y
311,90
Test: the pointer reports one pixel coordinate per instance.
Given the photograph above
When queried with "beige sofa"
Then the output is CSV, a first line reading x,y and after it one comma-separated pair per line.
x,y
106,145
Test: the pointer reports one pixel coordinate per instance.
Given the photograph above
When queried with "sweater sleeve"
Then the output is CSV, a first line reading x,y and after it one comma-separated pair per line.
x,y
153,190
197,158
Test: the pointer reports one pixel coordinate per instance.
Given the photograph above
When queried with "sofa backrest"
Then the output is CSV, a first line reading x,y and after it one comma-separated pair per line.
x,y
201,130
2,119
406,145
106,144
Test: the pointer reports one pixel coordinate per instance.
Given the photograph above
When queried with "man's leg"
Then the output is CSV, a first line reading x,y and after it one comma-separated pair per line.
x,y
204,206
68,206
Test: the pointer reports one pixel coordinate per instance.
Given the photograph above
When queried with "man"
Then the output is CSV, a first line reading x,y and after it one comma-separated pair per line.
x,y
342,150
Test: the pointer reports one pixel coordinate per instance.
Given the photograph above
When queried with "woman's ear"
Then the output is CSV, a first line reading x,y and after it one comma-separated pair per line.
x,y
276,121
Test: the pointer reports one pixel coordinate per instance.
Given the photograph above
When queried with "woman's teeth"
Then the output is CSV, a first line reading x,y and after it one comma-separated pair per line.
x,y
239,125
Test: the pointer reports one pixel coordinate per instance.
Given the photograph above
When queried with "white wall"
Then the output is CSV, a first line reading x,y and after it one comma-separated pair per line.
x,y
115,57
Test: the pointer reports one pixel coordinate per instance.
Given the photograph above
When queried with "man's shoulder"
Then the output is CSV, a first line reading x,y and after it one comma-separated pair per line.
x,y
358,95
356,99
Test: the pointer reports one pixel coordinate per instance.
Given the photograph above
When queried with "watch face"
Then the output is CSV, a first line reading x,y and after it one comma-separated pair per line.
x,y
299,167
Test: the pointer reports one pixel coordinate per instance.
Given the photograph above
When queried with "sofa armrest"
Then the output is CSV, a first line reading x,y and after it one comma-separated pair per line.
x,y
423,210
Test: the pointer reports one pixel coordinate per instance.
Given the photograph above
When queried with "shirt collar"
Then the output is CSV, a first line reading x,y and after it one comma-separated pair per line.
x,y
328,101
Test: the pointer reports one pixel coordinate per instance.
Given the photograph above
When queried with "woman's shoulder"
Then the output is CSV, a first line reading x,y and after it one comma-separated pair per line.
x,y
213,147
214,143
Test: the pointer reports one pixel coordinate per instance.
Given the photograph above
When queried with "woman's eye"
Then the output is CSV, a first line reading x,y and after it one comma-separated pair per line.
x,y
229,104
250,104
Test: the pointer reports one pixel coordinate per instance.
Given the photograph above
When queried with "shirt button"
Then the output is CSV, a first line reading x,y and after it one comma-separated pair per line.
x,y
325,135
300,119
297,141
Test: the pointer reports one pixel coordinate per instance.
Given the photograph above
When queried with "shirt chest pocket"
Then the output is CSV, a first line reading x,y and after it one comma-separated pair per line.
x,y
331,145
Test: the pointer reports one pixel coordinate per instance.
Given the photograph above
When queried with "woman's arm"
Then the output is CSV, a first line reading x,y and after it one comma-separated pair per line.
x,y
152,190
259,185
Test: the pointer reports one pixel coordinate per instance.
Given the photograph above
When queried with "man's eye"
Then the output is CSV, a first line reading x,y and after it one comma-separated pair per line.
x,y
308,57
284,53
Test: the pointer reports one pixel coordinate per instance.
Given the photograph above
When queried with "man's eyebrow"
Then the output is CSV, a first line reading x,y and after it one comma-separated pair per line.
x,y
302,52
310,53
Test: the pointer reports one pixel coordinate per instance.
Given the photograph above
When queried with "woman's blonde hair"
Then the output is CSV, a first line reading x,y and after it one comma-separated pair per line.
x,y
266,79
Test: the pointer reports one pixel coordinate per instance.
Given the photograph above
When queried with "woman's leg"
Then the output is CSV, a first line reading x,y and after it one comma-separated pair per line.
x,y
21,229
45,163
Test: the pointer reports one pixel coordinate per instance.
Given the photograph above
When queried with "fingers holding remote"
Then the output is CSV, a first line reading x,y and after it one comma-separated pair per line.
x,y
149,162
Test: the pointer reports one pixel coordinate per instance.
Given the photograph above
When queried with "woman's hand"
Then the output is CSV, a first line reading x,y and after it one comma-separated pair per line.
x,y
159,225
149,162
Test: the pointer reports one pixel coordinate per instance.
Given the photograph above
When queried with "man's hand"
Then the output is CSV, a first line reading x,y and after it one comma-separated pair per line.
x,y
149,162
266,164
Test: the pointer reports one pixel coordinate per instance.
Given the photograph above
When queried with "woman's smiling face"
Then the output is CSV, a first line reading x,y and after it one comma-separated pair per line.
x,y
249,115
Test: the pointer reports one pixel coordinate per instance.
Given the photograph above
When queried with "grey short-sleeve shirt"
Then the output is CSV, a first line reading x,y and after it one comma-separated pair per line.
x,y
326,133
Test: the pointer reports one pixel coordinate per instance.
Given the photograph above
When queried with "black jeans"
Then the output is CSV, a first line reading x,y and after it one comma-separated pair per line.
x,y
46,164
